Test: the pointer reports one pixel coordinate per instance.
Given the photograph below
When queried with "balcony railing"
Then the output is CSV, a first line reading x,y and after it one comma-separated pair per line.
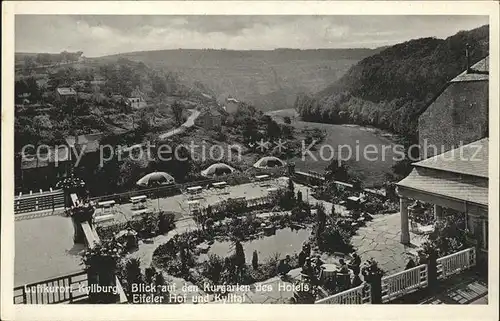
x,y
397,285
402,283
64,289
357,295
456,263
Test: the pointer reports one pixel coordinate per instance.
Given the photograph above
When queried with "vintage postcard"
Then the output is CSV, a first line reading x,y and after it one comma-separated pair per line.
x,y
189,160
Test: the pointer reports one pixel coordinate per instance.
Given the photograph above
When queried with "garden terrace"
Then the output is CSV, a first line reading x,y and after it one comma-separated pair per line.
x,y
123,210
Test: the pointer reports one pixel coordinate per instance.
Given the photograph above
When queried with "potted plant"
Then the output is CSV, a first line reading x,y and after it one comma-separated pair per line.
x,y
101,263
470,238
71,185
80,214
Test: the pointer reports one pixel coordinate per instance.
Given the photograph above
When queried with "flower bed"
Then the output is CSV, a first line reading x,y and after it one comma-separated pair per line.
x,y
180,255
146,226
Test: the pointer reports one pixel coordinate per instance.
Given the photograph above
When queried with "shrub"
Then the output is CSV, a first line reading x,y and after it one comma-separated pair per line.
x,y
133,273
255,260
212,268
166,222
149,274
335,239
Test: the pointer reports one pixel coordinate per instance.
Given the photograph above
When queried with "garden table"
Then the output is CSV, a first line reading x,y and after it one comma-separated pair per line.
x,y
220,184
106,205
194,189
138,202
328,272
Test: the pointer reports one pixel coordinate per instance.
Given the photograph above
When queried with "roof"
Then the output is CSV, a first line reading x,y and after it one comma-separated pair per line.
x,y
61,155
470,159
90,141
66,91
478,72
31,162
473,190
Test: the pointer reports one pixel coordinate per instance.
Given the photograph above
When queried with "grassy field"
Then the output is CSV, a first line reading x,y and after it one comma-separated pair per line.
x,y
372,172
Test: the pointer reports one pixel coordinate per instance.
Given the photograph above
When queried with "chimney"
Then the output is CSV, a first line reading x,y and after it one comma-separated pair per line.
x,y
467,56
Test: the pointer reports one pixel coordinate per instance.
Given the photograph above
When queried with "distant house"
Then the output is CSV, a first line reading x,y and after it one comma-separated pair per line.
x,y
210,118
459,114
89,143
231,105
43,171
137,99
63,93
136,102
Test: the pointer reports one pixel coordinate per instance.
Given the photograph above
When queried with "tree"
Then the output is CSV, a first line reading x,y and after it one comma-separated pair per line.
x,y
337,171
255,260
320,222
29,63
43,59
133,273
178,113
287,120
239,255
150,274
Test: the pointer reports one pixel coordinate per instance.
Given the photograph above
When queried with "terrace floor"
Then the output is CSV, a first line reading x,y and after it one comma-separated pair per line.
x,y
44,249
380,240
179,203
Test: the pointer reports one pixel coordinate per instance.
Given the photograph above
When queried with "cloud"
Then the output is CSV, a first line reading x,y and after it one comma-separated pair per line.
x,y
108,34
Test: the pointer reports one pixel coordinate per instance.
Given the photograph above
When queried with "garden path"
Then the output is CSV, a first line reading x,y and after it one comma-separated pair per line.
x,y
380,240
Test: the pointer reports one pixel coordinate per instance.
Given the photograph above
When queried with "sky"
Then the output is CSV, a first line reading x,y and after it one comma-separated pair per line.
x,y
99,35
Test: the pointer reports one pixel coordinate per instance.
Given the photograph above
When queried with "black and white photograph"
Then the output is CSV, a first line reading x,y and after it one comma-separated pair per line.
x,y
251,159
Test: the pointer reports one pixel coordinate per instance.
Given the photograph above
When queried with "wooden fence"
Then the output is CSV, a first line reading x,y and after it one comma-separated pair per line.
x,y
63,289
357,295
402,283
405,282
48,200
456,263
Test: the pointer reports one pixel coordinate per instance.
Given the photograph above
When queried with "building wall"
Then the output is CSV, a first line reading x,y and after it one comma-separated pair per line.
x,y
458,116
209,121
231,107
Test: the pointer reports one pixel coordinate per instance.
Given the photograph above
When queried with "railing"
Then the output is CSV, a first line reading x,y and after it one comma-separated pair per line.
x,y
63,289
456,263
167,190
402,283
48,200
397,285
357,295
259,201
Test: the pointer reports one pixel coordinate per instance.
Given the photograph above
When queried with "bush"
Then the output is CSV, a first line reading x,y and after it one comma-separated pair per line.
x,y
335,239
133,273
166,222
212,268
255,260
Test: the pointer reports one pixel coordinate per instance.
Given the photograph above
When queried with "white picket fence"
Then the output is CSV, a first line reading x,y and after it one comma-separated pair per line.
x,y
456,263
357,295
397,285
404,282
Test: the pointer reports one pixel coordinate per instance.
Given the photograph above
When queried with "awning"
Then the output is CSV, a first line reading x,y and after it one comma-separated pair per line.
x,y
455,192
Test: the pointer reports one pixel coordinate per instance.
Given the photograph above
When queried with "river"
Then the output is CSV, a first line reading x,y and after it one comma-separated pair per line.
x,y
369,152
